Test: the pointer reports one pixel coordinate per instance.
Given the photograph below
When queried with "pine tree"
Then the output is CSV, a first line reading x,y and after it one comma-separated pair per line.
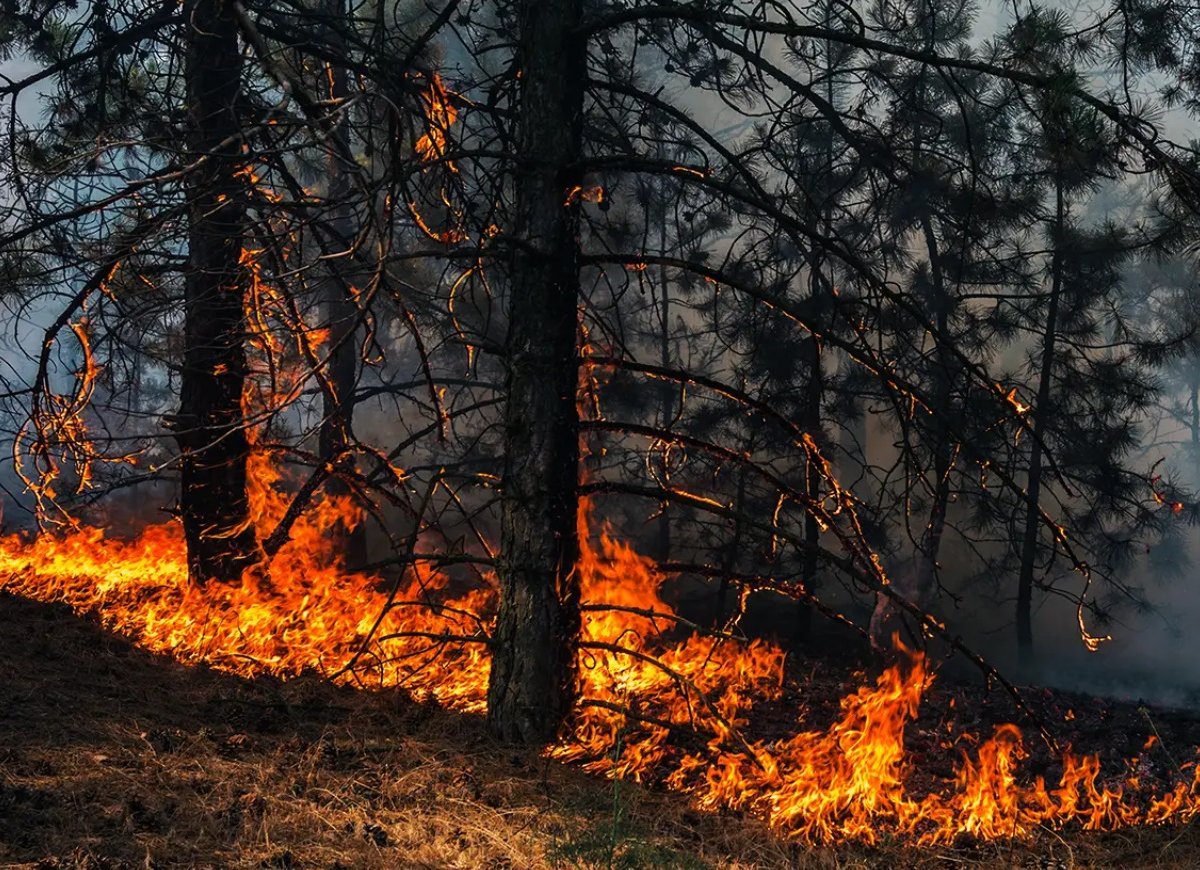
x,y
532,683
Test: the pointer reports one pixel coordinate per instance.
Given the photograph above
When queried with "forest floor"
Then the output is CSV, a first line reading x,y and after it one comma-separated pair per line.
x,y
111,757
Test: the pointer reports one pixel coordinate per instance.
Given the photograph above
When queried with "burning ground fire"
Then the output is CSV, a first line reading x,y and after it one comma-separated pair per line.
x,y
661,702
649,684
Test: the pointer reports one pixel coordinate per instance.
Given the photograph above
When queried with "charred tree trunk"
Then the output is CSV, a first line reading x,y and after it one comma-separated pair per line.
x,y
1194,401
341,313
813,422
943,453
733,549
1033,486
1194,424
667,395
813,483
533,677
815,391
209,427
917,580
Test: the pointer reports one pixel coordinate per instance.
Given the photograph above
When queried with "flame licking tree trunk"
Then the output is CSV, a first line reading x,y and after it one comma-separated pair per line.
x,y
209,426
532,682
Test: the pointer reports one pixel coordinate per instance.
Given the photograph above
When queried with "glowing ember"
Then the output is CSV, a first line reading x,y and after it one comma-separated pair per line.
x,y
440,114
644,678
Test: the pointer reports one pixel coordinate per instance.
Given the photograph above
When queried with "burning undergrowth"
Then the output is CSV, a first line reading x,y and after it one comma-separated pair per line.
x,y
112,758
662,702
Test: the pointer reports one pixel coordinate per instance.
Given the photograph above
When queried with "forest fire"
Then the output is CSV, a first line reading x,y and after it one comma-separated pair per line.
x,y
464,271
647,678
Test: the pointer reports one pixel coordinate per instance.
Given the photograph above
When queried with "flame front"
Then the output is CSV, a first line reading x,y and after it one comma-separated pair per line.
x,y
649,684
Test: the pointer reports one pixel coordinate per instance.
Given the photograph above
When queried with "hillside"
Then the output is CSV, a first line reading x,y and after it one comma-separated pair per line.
x,y
111,757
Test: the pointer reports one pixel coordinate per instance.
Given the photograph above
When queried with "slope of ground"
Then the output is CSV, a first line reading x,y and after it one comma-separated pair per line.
x,y
113,758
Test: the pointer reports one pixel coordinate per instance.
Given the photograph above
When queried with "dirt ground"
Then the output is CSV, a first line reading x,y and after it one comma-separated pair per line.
x,y
114,758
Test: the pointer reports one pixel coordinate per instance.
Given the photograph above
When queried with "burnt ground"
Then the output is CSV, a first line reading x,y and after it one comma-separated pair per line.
x,y
111,757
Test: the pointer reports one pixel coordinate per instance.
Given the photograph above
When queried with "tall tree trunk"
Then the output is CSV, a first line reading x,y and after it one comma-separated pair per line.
x,y
1033,486
209,427
917,580
925,569
341,314
815,392
729,559
667,395
931,540
1194,424
1193,385
813,481
533,677
1194,400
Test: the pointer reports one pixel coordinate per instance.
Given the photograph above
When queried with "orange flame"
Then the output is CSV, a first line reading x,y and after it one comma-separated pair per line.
x,y
579,193
646,678
440,115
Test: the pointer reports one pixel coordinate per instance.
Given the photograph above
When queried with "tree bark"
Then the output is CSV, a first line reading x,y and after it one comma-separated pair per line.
x,y
732,551
533,677
1194,401
1033,486
813,483
667,389
209,427
815,389
813,422
341,314
943,453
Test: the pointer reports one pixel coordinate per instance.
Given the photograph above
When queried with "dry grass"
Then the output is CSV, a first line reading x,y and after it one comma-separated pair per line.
x,y
113,758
